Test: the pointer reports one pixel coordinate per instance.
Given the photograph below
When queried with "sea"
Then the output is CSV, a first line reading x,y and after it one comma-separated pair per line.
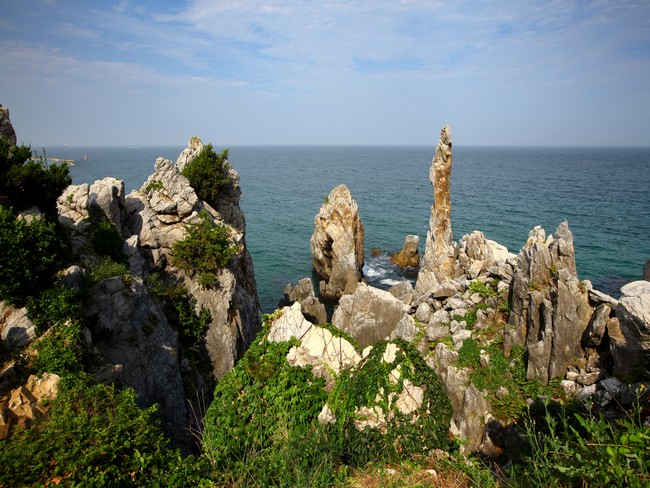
x,y
603,193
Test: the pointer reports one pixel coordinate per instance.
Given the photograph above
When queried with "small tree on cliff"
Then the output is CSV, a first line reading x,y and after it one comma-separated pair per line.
x,y
25,182
208,173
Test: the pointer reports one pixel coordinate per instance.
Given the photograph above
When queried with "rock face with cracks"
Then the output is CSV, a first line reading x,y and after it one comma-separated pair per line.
x,y
151,220
409,255
337,244
439,255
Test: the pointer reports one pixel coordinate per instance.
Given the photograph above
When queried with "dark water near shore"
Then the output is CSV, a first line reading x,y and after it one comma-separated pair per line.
x,y
604,193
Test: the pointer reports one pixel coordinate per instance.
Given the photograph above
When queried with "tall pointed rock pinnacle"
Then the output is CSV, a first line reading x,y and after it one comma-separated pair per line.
x,y
439,256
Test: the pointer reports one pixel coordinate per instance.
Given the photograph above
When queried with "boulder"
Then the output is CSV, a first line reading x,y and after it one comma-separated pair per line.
x,y
303,293
403,291
17,329
6,129
27,403
326,354
291,323
106,200
631,346
409,255
337,244
477,255
439,255
369,315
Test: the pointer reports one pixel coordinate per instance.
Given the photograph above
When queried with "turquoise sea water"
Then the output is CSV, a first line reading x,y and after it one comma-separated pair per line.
x,y
604,193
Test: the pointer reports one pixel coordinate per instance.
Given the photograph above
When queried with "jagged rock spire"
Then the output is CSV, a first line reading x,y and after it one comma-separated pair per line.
x,y
439,257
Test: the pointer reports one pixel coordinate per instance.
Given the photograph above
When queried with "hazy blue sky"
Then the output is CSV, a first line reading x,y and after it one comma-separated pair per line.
x,y
151,72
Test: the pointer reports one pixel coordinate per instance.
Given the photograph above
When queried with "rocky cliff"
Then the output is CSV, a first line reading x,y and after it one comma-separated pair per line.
x,y
134,343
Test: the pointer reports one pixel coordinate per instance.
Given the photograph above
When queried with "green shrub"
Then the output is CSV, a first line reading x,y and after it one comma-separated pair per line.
x,y
30,258
180,310
206,249
27,182
107,241
370,384
61,351
54,305
586,450
208,173
261,427
95,435
107,268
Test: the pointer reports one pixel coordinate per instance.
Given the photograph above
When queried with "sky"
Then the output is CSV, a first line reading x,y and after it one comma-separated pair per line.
x,y
240,72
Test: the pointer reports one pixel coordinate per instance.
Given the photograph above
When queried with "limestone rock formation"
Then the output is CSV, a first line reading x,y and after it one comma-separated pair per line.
x,y
26,403
550,309
136,347
143,351
478,255
6,129
439,255
631,347
303,293
16,328
369,315
337,244
409,255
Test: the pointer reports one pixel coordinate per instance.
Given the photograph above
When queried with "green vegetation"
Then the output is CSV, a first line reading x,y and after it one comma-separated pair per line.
x,y
32,253
106,241
261,428
208,173
573,449
155,185
206,249
25,182
373,385
95,435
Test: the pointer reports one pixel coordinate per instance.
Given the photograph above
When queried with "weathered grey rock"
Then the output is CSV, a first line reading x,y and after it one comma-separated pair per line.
x,y
405,329
291,323
106,200
337,244
550,308
440,317
193,149
137,342
423,312
437,332
631,349
403,291
597,326
303,293
17,328
72,207
369,315
169,193
409,255
326,354
6,128
445,289
598,297
618,390
477,254
470,406
439,255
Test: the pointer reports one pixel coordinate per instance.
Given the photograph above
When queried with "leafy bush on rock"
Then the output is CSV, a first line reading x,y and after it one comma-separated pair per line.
x,y
206,249
208,173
